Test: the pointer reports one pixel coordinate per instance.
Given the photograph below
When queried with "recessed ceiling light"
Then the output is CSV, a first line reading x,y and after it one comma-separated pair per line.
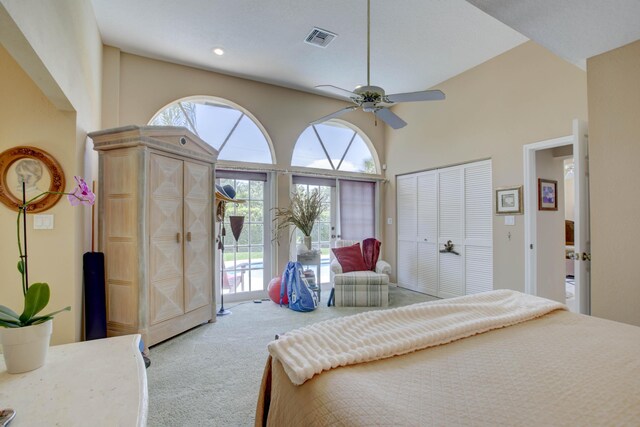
x,y
218,51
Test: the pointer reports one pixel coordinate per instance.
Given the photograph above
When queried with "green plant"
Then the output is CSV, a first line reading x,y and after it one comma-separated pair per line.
x,y
36,296
303,211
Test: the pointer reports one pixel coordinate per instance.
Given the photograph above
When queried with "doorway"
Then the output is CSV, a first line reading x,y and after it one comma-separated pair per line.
x,y
548,255
246,268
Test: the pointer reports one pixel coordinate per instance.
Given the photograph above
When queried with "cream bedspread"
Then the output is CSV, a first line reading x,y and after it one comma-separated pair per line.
x,y
561,369
380,334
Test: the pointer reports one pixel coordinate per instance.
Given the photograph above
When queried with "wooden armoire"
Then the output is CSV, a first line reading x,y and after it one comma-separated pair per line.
x,y
155,227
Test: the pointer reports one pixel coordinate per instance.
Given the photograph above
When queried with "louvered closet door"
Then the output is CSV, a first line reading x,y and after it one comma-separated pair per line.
x,y
166,293
427,205
451,227
406,206
197,228
478,228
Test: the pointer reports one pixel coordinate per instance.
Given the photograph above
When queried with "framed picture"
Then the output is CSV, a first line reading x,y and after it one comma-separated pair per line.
x,y
547,195
38,170
509,201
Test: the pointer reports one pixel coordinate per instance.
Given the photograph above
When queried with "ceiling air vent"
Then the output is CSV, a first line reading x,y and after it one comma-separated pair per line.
x,y
319,37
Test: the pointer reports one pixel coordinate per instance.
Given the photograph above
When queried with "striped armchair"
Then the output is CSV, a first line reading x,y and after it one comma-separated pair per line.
x,y
359,288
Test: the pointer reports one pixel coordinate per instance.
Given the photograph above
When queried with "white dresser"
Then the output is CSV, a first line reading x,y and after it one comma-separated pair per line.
x,y
93,383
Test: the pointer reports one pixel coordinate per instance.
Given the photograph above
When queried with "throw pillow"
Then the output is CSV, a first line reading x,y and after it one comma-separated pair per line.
x,y
350,258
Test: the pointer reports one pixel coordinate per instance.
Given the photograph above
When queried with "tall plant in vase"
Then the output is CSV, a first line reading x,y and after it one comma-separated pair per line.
x,y
25,337
303,212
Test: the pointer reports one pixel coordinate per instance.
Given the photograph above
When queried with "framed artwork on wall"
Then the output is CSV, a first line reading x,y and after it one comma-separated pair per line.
x,y
509,201
38,170
547,195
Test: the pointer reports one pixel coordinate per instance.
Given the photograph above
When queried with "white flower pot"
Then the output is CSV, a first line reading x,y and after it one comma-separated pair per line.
x,y
25,349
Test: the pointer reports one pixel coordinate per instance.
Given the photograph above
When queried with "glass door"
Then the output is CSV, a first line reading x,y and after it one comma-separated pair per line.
x,y
323,233
245,270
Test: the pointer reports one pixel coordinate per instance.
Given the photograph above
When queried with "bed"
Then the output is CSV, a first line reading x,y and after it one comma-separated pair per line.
x,y
548,367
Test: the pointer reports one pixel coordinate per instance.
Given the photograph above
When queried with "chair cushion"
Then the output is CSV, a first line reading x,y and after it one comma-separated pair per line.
x,y
350,258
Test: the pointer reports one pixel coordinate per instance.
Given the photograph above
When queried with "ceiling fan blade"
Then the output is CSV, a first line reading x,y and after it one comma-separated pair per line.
x,y
425,95
338,91
332,115
390,118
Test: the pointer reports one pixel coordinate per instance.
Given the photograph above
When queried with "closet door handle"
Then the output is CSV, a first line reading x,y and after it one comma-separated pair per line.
x,y
178,237
188,236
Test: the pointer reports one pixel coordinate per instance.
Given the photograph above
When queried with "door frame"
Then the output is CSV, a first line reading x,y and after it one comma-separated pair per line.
x,y
530,211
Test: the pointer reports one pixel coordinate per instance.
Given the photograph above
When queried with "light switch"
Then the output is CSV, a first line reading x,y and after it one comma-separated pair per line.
x,y
43,222
509,220
389,221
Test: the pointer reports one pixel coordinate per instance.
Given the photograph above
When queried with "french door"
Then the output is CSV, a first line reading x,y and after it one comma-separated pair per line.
x,y
350,214
323,234
245,270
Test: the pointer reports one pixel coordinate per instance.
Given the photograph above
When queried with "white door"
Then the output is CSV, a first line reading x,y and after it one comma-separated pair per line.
x,y
478,228
582,243
451,230
427,206
406,207
582,238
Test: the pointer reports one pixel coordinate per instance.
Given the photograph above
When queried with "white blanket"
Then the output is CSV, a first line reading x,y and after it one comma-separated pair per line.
x,y
381,334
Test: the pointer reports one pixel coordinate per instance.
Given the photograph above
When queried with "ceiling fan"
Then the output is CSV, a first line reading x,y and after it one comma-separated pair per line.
x,y
372,98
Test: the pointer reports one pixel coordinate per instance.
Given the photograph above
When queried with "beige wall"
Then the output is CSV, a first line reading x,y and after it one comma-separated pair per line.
x,y
144,86
522,96
58,48
550,257
614,144
27,117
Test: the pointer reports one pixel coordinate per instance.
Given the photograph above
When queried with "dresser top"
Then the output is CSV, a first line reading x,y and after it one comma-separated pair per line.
x,y
99,382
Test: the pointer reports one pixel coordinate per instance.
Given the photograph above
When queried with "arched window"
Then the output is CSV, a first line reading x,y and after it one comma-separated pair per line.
x,y
337,146
228,128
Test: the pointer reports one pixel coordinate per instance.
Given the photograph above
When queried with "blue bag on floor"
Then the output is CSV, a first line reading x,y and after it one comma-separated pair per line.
x,y
301,298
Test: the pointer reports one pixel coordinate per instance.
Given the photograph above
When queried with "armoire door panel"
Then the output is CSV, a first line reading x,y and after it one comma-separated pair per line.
x,y
196,181
165,218
407,264
165,260
197,291
166,177
197,228
166,300
427,268
166,280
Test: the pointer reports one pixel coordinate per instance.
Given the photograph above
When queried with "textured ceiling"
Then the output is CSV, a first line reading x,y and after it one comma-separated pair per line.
x,y
415,44
573,29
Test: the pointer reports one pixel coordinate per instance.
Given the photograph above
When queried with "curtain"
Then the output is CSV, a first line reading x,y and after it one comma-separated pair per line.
x,y
357,210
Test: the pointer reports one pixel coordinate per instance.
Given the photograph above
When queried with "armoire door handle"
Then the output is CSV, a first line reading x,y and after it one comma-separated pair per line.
x,y
178,237
188,236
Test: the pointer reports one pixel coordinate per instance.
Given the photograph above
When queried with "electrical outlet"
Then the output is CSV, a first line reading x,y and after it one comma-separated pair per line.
x,y
389,221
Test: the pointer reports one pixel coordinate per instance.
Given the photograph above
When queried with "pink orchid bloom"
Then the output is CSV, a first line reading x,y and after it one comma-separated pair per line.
x,y
82,195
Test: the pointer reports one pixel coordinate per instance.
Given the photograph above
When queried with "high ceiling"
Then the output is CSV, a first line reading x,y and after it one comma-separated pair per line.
x,y
415,44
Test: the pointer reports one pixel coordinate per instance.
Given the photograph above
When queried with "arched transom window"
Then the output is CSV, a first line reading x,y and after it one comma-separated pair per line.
x,y
226,127
336,146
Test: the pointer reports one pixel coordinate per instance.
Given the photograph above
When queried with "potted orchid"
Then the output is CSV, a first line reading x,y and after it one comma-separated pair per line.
x,y
25,337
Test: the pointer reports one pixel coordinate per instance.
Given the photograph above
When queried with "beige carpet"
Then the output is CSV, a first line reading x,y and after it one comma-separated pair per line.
x,y
210,375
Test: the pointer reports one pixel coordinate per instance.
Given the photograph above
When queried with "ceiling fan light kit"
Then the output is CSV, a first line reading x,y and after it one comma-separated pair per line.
x,y
370,98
